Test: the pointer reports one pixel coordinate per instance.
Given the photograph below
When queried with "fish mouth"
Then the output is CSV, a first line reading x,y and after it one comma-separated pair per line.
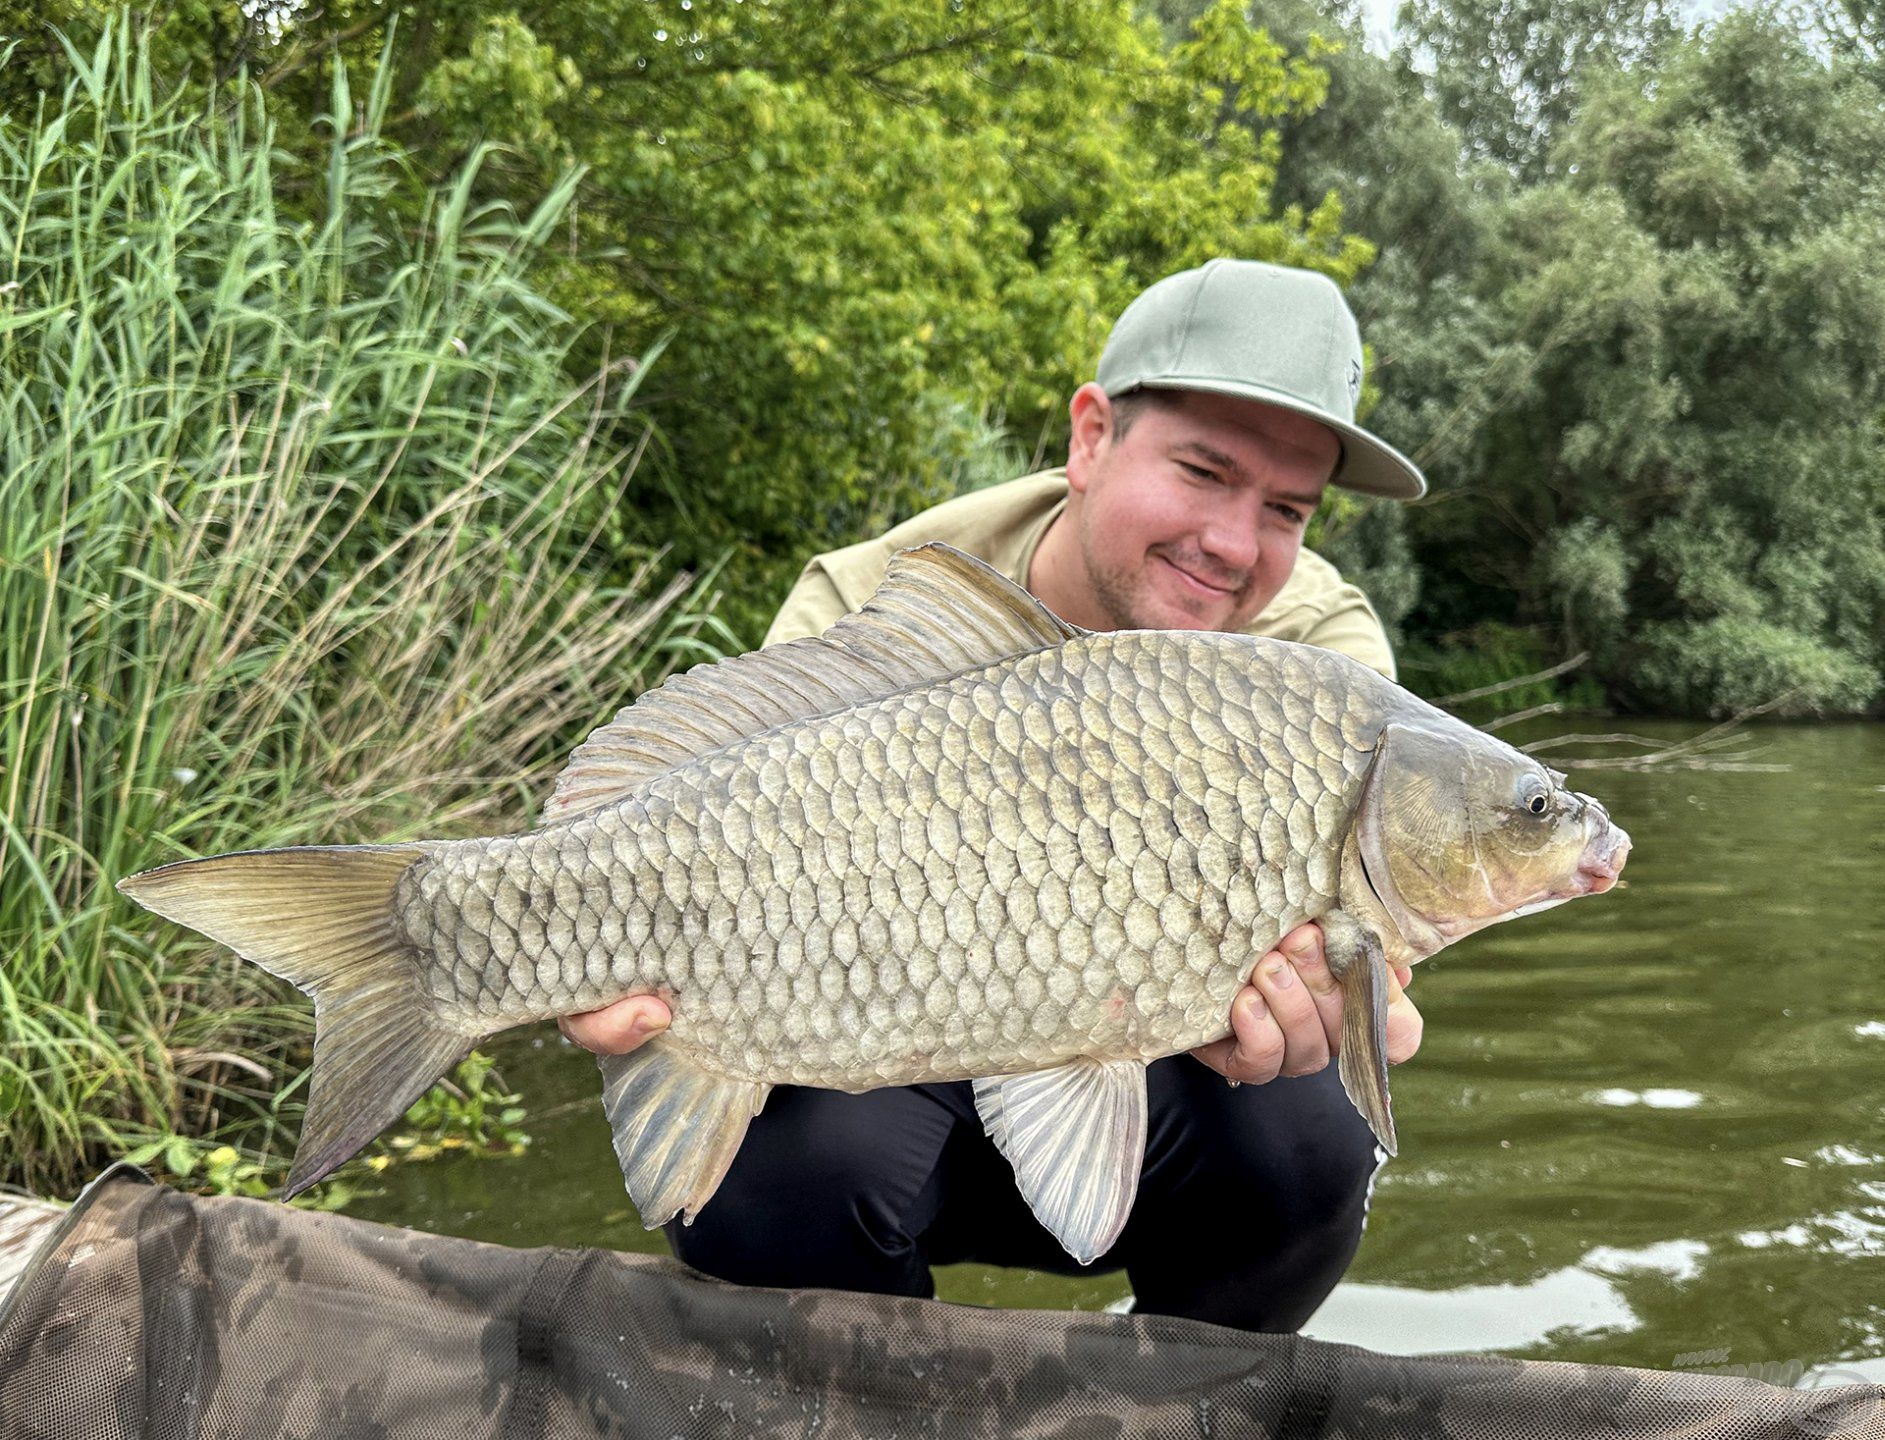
x,y
1602,862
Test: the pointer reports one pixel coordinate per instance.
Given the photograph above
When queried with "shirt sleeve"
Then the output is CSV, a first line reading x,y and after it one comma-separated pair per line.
x,y
1350,626
812,608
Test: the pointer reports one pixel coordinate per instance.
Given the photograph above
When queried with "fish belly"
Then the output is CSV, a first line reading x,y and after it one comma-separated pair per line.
x,y
1080,852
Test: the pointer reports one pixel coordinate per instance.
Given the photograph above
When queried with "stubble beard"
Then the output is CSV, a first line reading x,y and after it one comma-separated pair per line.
x,y
1118,594
1113,589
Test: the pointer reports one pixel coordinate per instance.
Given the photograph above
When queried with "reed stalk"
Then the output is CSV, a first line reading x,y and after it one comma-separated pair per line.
x,y
303,537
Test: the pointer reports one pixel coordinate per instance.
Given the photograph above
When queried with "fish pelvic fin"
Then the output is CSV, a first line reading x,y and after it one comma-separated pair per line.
x,y
1075,1136
1360,966
322,918
677,1127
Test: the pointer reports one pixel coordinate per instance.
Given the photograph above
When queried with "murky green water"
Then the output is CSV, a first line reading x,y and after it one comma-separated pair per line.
x,y
1644,1129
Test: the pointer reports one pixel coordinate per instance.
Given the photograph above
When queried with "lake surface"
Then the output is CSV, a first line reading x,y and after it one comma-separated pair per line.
x,y
1644,1129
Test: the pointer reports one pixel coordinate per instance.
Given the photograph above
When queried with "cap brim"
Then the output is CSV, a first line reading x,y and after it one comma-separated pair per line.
x,y
1369,466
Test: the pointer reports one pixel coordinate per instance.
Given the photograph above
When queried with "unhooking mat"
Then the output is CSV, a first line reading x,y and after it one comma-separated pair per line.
x,y
154,1314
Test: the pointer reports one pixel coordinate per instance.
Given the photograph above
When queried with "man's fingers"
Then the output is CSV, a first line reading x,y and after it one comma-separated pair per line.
x,y
1404,1023
619,1028
1252,1053
1305,1042
1303,947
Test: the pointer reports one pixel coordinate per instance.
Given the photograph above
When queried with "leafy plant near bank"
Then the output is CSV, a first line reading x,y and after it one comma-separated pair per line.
x,y
301,526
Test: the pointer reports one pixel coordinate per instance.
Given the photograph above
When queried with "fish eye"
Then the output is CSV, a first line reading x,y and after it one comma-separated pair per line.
x,y
1537,804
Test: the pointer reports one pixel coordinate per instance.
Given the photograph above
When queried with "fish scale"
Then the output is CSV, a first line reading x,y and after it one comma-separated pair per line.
x,y
1055,771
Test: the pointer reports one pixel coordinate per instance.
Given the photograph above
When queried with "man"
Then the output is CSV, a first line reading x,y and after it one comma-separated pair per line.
x,y
1223,407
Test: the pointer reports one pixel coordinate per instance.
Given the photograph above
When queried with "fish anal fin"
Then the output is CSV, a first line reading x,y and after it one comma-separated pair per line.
x,y
938,612
1075,1136
677,1127
1360,966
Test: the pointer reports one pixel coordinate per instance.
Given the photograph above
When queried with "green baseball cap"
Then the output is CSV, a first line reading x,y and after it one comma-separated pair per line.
x,y
1264,332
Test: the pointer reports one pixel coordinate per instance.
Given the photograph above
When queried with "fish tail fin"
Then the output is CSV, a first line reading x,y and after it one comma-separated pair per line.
x,y
322,918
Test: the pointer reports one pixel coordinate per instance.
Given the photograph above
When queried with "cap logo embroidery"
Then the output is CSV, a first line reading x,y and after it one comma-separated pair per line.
x,y
1354,382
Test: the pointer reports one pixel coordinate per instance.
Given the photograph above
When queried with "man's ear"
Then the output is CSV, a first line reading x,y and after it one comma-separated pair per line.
x,y
1091,411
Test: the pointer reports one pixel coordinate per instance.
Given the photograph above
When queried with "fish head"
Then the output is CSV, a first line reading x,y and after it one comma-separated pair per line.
x,y
1457,831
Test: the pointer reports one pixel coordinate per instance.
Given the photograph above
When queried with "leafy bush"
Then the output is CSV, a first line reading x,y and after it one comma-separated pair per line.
x,y
1490,654
1732,665
1666,443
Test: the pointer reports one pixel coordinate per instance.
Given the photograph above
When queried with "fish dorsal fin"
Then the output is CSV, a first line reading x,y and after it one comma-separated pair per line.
x,y
940,612
937,613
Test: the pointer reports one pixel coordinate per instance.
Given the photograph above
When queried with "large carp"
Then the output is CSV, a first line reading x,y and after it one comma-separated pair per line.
x,y
952,838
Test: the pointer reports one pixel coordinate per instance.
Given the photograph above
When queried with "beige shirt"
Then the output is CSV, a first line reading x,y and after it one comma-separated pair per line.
x,y
1003,525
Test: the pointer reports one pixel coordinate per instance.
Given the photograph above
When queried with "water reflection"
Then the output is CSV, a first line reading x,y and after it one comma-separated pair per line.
x,y
1640,1128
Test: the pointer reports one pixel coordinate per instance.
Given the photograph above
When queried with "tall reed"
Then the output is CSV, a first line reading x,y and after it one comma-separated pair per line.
x,y
302,538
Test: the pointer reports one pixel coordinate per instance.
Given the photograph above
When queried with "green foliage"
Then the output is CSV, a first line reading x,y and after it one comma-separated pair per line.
x,y
1667,431
1625,306
1509,74
1732,664
1853,29
467,1111
1587,567
1490,654
297,520
209,1169
1369,547
872,224
868,226
470,1110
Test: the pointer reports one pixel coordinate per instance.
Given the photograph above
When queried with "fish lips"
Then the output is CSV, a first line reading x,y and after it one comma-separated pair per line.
x,y
1601,864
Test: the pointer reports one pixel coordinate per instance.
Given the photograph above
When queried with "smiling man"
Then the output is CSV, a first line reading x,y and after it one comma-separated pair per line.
x,y
1222,409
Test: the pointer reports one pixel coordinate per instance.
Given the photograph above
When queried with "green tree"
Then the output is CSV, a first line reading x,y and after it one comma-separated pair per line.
x,y
1674,449
1508,73
872,226
1854,28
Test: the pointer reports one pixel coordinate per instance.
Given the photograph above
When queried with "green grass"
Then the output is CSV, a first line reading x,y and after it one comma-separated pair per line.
x,y
304,536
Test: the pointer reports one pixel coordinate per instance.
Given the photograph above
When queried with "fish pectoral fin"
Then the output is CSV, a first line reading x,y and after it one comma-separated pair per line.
x,y
1360,967
1076,1138
677,1127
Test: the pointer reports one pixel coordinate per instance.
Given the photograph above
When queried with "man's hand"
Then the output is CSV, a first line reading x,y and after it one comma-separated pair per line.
x,y
1288,1020
619,1028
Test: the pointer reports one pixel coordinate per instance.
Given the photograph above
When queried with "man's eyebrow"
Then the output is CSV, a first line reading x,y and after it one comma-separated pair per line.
x,y
1213,455
1302,498
1309,500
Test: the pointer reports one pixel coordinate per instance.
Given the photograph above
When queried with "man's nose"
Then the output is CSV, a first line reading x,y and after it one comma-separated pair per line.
x,y
1231,537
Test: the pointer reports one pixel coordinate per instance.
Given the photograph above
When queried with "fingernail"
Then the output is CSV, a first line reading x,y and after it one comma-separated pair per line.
x,y
644,1027
1304,949
1254,1008
1282,974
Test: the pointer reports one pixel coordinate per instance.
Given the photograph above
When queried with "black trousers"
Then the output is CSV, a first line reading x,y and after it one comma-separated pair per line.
x,y
1249,1209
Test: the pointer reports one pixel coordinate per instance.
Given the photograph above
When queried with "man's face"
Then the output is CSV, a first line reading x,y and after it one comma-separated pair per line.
x,y
1192,519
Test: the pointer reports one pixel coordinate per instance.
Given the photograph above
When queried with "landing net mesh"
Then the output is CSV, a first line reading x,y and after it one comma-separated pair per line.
x,y
156,1315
